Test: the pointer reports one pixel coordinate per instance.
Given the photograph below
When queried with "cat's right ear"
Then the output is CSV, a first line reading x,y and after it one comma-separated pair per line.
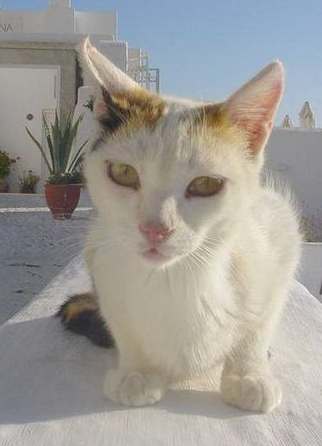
x,y
105,77
104,71
118,98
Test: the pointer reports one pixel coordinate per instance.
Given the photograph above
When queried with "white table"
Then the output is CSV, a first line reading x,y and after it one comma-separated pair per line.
x,y
50,386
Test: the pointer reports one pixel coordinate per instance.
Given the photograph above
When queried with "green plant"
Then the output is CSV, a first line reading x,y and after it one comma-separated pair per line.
x,y
5,162
64,158
66,178
28,182
90,103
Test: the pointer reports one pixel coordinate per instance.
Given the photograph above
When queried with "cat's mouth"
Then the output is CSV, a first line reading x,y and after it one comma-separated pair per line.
x,y
154,255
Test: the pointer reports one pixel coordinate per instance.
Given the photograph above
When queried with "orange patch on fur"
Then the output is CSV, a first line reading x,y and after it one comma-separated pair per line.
x,y
212,119
130,110
142,107
77,304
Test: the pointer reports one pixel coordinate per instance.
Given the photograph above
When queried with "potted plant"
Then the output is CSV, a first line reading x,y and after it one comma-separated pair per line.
x,y
28,182
5,162
63,186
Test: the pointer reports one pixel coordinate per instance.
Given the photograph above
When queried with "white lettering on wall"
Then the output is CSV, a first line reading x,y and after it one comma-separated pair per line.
x,y
6,27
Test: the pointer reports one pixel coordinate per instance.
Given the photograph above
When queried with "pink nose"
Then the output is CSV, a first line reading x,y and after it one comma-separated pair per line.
x,y
155,233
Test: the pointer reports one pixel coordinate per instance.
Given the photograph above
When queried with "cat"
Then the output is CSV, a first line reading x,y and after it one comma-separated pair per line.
x,y
191,256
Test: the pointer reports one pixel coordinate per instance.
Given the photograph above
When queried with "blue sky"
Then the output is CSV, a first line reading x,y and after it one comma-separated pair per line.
x,y
206,49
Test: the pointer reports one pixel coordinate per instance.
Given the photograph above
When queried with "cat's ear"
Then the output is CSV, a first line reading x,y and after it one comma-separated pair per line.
x,y
253,107
118,98
104,71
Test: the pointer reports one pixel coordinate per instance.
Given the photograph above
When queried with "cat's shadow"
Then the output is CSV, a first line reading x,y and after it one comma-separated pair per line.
x,y
48,374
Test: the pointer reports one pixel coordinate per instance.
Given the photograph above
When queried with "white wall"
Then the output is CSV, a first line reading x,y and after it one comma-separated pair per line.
x,y
27,91
59,20
117,52
96,23
51,20
11,22
295,155
310,271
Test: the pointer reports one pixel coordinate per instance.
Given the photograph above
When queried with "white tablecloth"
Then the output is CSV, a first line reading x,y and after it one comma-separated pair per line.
x,y
50,386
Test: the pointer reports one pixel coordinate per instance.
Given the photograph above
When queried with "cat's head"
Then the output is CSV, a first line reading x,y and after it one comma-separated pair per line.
x,y
173,178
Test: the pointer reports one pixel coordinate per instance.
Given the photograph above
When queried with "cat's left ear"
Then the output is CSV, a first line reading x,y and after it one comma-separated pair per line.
x,y
253,107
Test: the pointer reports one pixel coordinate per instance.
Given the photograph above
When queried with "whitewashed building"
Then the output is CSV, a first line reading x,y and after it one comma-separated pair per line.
x,y
39,70
60,17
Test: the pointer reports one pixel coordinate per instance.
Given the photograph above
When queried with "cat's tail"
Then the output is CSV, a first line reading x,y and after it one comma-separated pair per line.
x,y
80,314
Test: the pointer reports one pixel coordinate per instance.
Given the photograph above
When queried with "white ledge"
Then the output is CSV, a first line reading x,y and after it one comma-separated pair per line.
x,y
38,209
51,383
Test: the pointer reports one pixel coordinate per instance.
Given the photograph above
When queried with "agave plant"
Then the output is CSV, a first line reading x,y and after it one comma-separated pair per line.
x,y
64,158
5,162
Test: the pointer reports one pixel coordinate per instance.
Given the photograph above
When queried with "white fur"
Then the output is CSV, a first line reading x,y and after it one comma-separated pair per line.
x,y
231,261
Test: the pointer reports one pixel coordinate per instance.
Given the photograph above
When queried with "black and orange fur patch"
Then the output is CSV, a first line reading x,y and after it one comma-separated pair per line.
x,y
80,314
131,111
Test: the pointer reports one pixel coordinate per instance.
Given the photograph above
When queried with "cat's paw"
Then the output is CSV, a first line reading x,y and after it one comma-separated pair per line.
x,y
133,388
251,392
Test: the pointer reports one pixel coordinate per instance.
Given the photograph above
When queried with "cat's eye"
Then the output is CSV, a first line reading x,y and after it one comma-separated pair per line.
x,y
123,175
204,187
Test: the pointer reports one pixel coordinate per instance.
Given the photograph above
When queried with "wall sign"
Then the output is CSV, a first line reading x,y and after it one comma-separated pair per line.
x,y
11,22
6,27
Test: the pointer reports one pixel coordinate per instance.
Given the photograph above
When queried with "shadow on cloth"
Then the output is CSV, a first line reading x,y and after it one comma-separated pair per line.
x,y
47,374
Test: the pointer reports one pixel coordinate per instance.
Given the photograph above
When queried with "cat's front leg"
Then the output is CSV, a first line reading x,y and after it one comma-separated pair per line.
x,y
251,391
134,382
134,388
247,381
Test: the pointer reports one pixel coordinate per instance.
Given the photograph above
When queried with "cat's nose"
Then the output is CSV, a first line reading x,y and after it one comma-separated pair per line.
x,y
155,233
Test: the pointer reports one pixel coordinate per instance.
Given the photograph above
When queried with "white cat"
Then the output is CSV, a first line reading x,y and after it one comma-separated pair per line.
x,y
192,258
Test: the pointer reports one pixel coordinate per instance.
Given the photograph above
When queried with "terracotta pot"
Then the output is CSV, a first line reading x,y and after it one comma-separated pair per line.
x,y
62,199
4,186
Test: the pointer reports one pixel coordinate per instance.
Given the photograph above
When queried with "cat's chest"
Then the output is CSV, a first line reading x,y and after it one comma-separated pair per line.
x,y
171,316
167,291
